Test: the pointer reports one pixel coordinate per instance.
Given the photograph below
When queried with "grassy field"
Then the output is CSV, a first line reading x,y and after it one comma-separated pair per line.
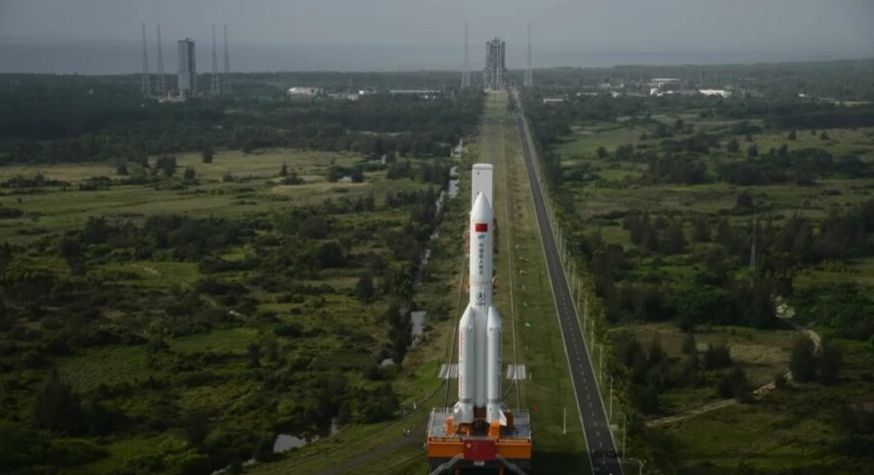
x,y
790,431
256,187
761,353
136,381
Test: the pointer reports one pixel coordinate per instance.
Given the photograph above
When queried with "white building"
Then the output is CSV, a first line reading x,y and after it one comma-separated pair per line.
x,y
661,82
715,92
298,92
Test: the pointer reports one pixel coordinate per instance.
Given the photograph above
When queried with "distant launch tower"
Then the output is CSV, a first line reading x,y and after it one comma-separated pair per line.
x,y
465,75
495,71
478,431
145,82
215,85
227,89
162,87
529,74
187,77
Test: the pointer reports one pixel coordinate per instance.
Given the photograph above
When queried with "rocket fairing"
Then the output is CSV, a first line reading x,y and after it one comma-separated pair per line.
x,y
479,331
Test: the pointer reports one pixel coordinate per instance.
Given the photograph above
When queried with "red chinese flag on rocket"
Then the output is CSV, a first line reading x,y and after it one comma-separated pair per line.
x,y
482,449
481,227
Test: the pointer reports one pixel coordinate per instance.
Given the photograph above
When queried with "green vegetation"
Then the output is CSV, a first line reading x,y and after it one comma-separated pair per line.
x,y
173,312
703,219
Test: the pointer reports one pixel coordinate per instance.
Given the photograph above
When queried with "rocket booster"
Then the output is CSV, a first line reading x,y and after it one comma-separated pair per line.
x,y
479,331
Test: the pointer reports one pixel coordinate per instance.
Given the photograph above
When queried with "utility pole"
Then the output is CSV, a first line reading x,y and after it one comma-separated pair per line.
x,y
600,362
564,429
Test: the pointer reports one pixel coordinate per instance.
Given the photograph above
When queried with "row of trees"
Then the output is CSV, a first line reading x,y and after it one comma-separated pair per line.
x,y
59,127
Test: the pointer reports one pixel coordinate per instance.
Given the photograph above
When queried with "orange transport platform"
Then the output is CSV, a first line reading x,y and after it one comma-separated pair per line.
x,y
477,450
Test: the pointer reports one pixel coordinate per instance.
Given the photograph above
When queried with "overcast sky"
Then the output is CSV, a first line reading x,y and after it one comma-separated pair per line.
x,y
832,28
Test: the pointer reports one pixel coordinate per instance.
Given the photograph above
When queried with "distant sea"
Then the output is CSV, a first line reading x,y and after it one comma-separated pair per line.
x,y
120,57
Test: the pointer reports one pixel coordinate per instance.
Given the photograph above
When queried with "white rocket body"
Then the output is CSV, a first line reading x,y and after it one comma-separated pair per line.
x,y
479,331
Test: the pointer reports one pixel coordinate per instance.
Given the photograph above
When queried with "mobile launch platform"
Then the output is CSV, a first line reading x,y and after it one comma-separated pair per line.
x,y
478,432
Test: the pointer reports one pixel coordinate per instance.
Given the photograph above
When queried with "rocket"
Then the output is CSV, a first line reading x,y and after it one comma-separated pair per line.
x,y
479,331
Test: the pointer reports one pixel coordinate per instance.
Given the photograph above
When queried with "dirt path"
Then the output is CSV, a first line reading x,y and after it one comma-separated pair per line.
x,y
784,313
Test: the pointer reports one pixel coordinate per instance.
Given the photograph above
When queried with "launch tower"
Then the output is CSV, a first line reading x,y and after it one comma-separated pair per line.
x,y
478,431
496,65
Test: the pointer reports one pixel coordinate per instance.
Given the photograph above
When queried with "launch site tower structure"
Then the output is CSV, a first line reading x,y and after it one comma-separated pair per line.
x,y
495,72
479,431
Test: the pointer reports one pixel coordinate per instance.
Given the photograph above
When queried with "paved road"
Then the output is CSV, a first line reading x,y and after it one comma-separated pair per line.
x,y
592,414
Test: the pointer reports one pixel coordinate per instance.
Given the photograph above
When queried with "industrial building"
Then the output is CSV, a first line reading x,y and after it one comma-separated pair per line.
x,y
479,432
187,76
495,71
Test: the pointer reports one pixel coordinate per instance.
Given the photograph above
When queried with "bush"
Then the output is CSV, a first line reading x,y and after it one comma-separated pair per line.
x,y
717,357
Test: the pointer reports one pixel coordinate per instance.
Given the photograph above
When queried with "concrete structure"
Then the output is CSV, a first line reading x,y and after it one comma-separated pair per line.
x,y
495,72
187,76
479,431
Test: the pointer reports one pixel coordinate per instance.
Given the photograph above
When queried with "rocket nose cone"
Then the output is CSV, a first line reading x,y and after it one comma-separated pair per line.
x,y
482,210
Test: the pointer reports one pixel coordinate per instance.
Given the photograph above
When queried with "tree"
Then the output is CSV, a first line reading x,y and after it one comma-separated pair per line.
x,y
824,136
753,151
780,381
830,362
284,170
655,354
207,153
56,407
189,174
167,164
732,146
196,428
689,344
734,384
601,152
253,350
675,241
744,201
357,175
718,356
649,400
803,361
700,229
364,290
